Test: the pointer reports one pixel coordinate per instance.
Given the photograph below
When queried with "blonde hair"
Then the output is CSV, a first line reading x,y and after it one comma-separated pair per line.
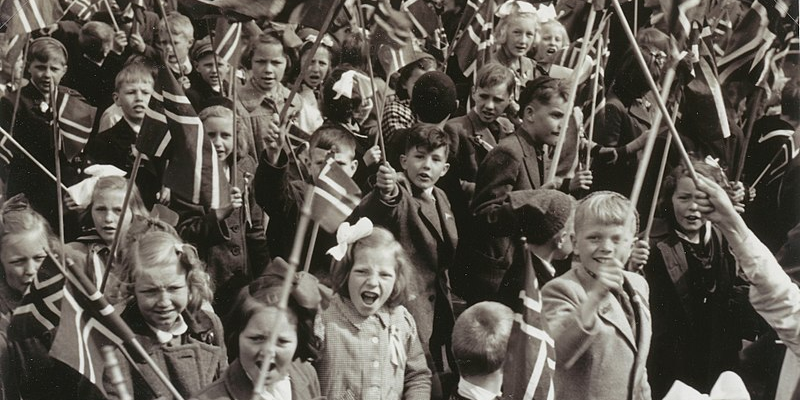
x,y
160,247
502,25
17,216
607,208
557,27
218,111
179,24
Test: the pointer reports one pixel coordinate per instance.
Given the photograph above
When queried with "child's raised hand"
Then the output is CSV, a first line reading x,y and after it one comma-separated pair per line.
x,y
608,277
372,156
639,255
137,43
581,181
715,205
236,203
274,137
164,196
70,204
120,42
387,181
737,194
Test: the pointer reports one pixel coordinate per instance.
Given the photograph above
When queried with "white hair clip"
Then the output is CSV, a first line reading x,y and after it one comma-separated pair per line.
x,y
347,235
515,7
344,86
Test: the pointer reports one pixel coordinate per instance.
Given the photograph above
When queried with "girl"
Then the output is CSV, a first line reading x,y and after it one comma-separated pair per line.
x,y
263,96
24,235
515,35
326,58
397,114
551,39
231,240
700,308
168,286
100,219
249,326
370,345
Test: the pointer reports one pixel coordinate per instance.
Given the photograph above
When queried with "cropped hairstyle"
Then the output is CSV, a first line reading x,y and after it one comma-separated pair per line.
x,y
607,208
480,338
427,136
493,74
541,90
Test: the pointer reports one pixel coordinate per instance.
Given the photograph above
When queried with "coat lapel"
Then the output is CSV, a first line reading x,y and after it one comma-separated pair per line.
x,y
529,160
675,261
450,233
611,311
480,129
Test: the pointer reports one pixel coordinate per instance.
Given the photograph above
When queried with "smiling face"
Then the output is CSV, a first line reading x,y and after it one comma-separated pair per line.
x,y
688,217
220,131
255,335
598,242
543,121
318,68
423,168
551,40
208,71
162,293
268,66
43,74
21,255
133,98
491,102
520,32
371,279
106,208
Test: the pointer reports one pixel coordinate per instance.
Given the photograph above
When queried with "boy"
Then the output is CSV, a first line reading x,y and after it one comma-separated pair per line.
x,y
418,214
597,312
480,339
176,55
133,87
518,162
282,198
212,74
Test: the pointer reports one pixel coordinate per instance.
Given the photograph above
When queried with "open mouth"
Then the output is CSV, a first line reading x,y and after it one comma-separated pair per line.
x,y
369,298
692,218
551,50
423,176
272,365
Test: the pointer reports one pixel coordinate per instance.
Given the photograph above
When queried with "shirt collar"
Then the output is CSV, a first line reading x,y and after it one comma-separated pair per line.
x,y
136,127
706,234
550,268
165,337
351,314
474,392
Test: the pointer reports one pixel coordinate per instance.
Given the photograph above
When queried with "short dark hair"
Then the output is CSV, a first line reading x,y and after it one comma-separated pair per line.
x,y
493,74
428,136
480,338
332,137
670,183
541,90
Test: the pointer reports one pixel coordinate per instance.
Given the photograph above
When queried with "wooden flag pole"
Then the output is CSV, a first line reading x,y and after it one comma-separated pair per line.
x,y
311,245
286,287
111,14
573,90
379,111
661,105
59,178
595,89
137,162
654,201
19,93
171,38
235,153
31,157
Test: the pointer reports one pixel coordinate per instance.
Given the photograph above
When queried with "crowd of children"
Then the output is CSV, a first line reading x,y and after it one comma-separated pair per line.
x,y
468,236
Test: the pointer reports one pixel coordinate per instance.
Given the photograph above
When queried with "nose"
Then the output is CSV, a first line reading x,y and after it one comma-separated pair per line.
x,y
110,217
372,280
31,268
163,299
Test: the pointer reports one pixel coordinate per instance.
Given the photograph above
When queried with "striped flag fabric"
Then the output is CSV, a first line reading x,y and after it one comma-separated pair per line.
x,y
40,309
154,136
84,9
228,36
389,24
6,152
530,361
472,47
20,16
423,16
335,197
75,120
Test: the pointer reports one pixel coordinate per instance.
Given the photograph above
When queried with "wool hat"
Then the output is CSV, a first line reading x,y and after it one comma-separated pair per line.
x,y
540,213
305,289
434,97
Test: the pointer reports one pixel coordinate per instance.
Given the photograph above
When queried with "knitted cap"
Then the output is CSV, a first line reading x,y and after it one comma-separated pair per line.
x,y
541,214
434,97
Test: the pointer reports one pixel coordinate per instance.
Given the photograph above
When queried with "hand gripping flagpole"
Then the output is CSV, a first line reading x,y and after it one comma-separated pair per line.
x,y
661,106
573,90
286,287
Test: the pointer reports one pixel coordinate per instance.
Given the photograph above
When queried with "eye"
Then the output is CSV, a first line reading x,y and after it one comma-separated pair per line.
x,y
40,258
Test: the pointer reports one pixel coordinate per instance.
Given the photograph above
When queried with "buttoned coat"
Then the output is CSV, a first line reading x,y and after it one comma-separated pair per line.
x,y
607,361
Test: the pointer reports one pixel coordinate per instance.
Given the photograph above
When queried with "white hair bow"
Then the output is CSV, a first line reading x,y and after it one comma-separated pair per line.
x,y
546,12
326,40
344,86
347,235
82,191
729,386
514,7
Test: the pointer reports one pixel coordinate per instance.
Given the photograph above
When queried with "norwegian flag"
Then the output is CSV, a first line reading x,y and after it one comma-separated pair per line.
x,y
472,47
228,36
335,197
172,129
530,360
423,16
40,309
84,9
75,119
6,154
28,15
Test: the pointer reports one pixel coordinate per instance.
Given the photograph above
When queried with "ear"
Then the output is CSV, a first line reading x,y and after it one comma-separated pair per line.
x,y
403,160
355,165
445,169
115,97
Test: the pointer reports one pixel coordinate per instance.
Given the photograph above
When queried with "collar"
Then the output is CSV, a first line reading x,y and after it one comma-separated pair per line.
x,y
547,265
280,390
476,120
351,314
136,127
706,235
164,337
99,64
186,66
474,392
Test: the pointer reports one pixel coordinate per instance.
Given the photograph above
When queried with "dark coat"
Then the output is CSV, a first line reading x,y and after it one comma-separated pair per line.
x,y
487,252
431,252
681,349
236,385
114,147
615,129
95,82
198,361
514,280
235,253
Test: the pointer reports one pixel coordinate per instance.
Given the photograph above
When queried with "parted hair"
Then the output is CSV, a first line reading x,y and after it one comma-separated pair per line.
x,y
502,25
665,209
480,338
95,39
541,90
109,183
179,24
266,38
382,240
332,137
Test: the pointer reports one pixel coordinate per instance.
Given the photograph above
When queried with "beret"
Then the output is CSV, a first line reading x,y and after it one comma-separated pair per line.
x,y
434,97
540,213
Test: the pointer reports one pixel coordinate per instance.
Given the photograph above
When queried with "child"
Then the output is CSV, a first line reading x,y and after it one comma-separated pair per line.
x,y
24,235
282,198
214,74
168,287
371,349
516,32
418,214
263,95
249,325
480,339
174,49
115,146
46,64
231,240
92,249
700,308
397,114
551,39
597,312
319,68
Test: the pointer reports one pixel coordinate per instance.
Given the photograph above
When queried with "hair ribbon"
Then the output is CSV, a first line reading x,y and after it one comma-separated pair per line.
x,y
344,86
347,235
546,12
515,7
326,39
